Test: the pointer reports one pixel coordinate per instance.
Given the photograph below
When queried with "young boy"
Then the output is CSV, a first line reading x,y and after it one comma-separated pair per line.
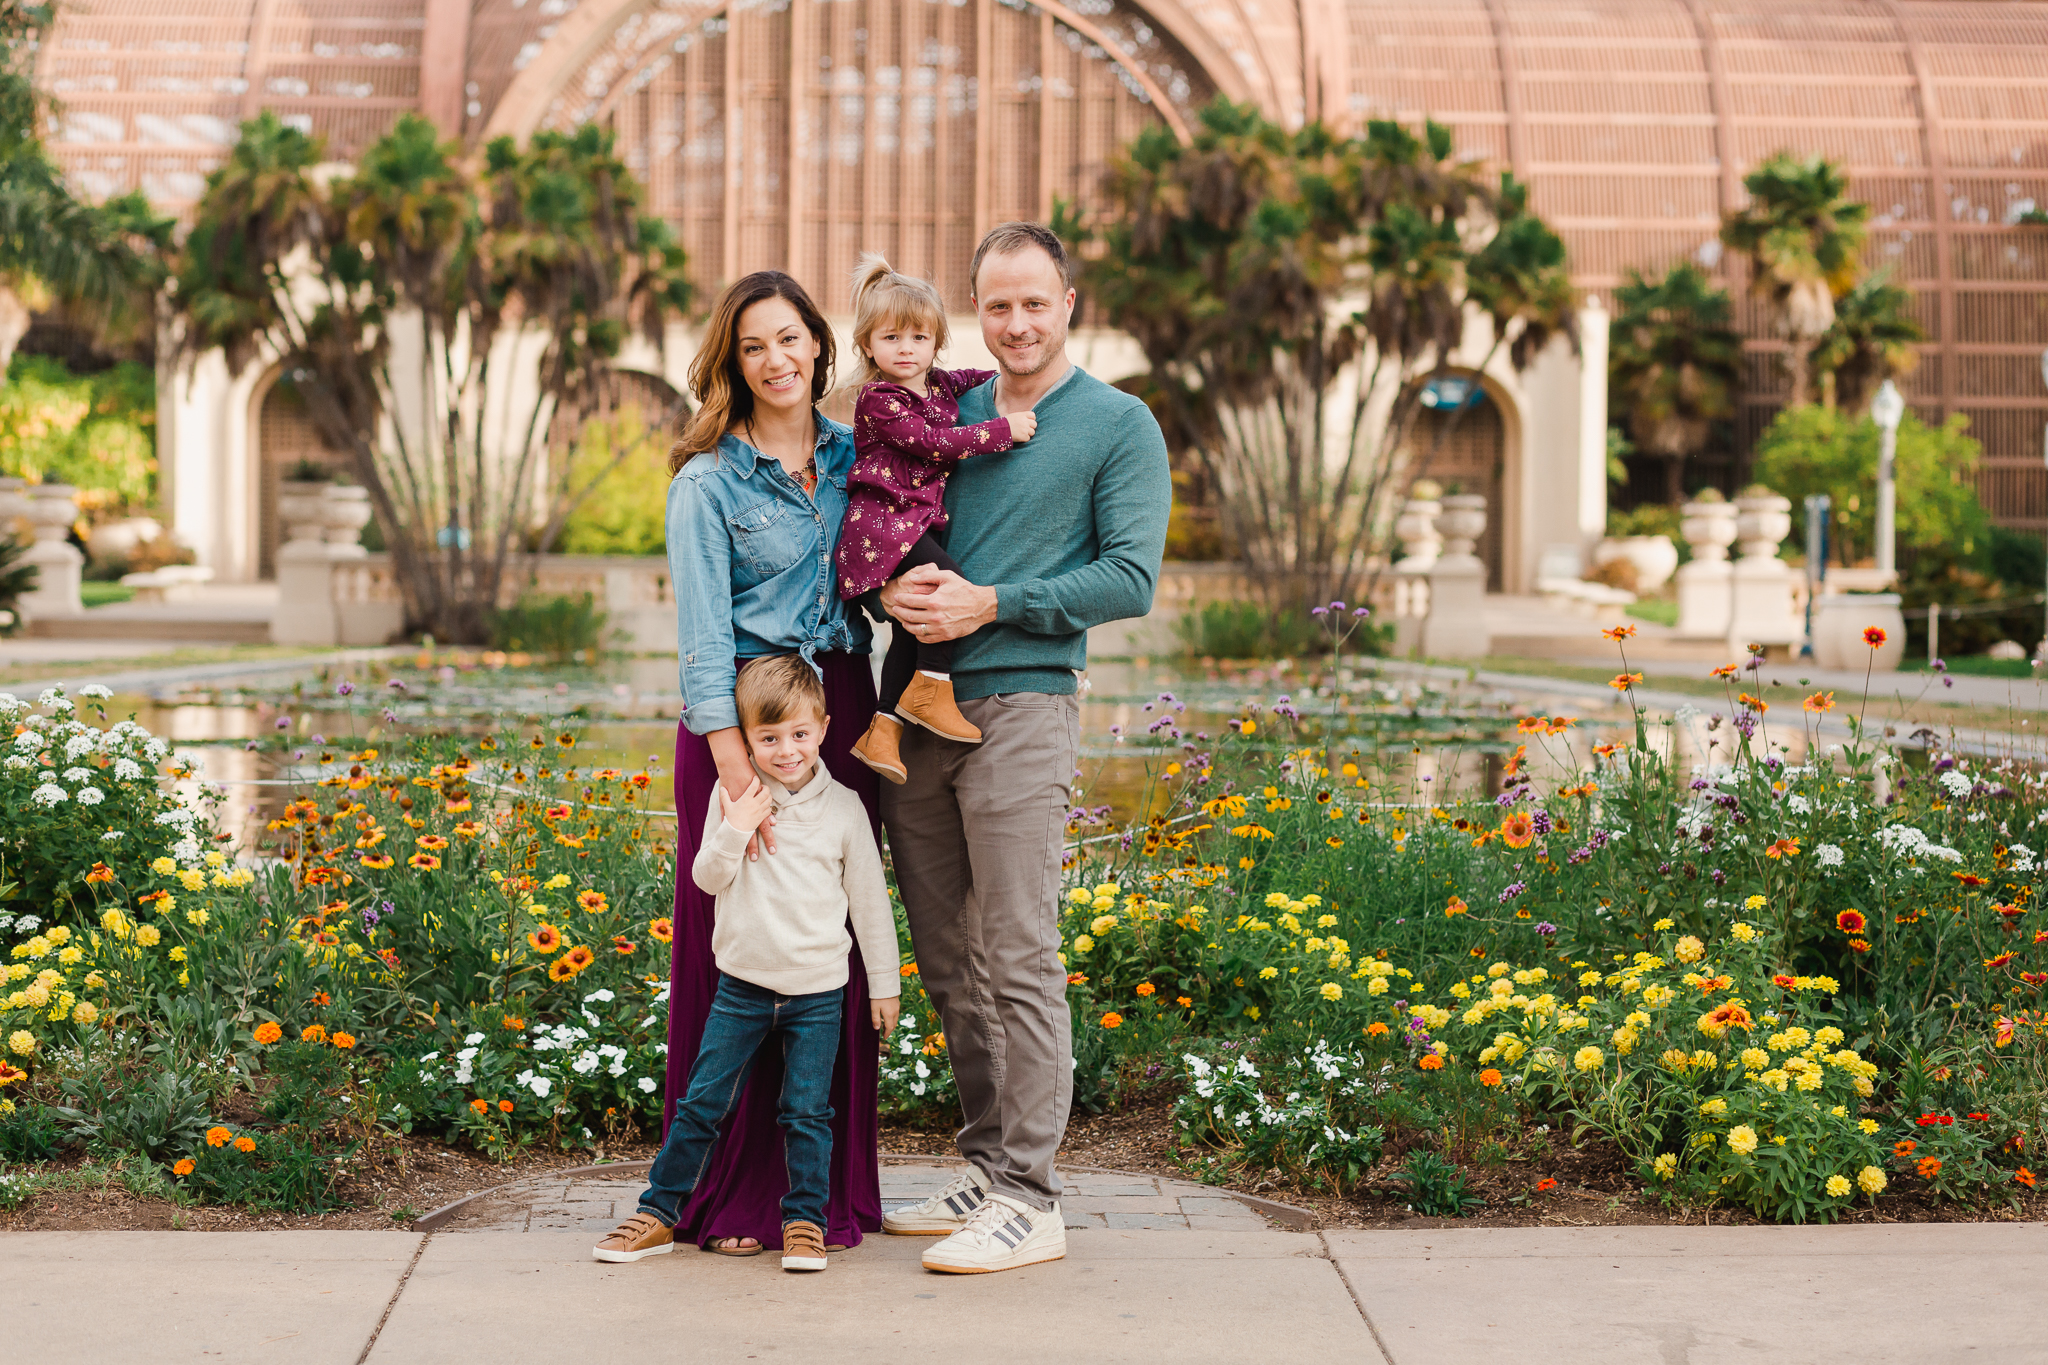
x,y
780,943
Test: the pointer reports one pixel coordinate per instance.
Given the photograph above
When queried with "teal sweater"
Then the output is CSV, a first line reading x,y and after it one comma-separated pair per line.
x,y
1069,529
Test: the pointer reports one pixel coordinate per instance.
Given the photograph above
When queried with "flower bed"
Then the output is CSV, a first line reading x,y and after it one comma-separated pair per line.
x,y
1798,979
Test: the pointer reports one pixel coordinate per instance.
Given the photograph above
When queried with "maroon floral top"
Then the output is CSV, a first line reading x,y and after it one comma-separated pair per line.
x,y
904,446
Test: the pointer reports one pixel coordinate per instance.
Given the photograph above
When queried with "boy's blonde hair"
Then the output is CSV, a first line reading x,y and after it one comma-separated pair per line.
x,y
771,690
883,296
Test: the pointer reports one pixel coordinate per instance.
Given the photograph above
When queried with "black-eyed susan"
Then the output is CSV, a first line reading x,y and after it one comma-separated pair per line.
x,y
561,969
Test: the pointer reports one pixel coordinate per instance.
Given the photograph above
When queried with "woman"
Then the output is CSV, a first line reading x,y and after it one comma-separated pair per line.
x,y
753,520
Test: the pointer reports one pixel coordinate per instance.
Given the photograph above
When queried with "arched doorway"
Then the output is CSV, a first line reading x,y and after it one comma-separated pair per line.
x,y
1460,442
287,446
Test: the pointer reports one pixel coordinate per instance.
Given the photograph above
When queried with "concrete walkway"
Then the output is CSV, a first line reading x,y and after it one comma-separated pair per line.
x,y
1629,1296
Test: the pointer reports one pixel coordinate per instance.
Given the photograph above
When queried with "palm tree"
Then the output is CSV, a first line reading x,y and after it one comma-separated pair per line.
x,y
104,261
1804,240
1674,365
1872,340
1291,290
546,241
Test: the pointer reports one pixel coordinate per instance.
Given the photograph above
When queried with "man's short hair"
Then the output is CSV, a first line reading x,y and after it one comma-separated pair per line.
x,y
771,690
1004,238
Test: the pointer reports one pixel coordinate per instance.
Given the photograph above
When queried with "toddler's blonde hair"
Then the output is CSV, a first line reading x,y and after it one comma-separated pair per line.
x,y
884,296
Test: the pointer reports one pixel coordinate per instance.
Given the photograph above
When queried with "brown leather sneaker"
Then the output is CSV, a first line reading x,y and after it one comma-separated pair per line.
x,y
803,1246
877,748
929,702
639,1236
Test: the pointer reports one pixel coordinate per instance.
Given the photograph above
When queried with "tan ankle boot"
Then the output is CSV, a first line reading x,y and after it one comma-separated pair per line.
x,y
877,748
929,702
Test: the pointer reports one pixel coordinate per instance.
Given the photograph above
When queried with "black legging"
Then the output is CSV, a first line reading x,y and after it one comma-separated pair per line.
x,y
907,654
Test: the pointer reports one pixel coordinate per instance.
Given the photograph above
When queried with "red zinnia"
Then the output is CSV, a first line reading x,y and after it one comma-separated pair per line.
x,y
1545,1185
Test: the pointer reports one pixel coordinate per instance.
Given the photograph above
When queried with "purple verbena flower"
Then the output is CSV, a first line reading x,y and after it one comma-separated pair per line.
x,y
344,688
1545,928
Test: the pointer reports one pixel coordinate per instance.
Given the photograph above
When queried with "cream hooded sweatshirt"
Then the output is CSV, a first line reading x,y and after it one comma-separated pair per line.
x,y
781,920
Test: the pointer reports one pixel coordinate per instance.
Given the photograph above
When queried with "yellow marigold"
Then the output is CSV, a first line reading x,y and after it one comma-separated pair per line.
x,y
1871,1180
1743,932
1082,943
148,936
1689,949
1101,925
1839,1186
21,1043
85,1012
1268,973
1714,1108
268,1032
1332,991
1755,1059
1742,1139
1665,1166
1589,1059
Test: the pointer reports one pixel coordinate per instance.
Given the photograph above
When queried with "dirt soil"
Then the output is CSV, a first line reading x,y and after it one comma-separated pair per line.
x,y
407,1177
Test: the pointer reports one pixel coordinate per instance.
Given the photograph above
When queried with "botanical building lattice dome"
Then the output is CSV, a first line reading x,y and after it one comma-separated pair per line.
x,y
794,133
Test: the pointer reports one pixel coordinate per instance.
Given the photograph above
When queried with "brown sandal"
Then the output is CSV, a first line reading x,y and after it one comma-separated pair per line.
x,y
739,1250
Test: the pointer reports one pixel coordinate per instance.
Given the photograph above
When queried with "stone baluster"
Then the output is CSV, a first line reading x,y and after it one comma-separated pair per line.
x,y
1760,605
52,508
1456,625
1706,581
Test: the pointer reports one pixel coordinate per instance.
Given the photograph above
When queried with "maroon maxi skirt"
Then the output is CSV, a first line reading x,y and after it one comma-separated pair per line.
x,y
742,1189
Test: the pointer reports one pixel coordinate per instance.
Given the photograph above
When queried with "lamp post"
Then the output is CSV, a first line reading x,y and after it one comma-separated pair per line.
x,y
1886,409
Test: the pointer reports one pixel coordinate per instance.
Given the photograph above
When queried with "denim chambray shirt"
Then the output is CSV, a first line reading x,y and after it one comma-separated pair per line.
x,y
751,560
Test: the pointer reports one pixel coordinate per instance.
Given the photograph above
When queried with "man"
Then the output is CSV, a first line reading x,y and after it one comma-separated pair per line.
x,y
1052,537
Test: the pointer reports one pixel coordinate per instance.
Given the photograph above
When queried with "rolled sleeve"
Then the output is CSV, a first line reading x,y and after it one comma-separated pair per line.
x,y
700,568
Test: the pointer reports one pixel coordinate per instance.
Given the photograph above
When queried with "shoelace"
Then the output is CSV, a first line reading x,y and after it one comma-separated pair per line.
x,y
990,1216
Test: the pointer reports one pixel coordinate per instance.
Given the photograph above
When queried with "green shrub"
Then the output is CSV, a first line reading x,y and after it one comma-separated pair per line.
x,y
1247,630
560,628
1435,1187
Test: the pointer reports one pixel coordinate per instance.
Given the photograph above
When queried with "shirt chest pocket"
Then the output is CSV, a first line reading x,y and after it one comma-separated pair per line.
x,y
767,538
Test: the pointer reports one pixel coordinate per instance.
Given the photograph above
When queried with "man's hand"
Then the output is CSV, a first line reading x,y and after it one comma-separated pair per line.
x,y
936,604
883,1014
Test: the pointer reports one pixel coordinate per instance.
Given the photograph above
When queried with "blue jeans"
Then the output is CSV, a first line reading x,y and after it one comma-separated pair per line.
x,y
743,1016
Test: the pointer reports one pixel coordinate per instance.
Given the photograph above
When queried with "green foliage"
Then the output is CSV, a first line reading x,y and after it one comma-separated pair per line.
x,y
159,1113
1236,262
1825,450
1307,1111
1871,340
1674,363
1804,238
544,246
1247,630
17,577
561,627
96,431
1436,1188
622,509
30,1132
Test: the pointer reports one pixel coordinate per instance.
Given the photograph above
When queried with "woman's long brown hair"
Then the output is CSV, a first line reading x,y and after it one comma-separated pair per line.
x,y
723,398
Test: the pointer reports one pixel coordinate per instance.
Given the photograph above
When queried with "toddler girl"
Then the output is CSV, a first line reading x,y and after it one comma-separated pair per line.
x,y
905,442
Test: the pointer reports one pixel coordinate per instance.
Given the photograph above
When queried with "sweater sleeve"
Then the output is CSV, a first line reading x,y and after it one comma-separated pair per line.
x,y
867,903
720,856
893,419
1133,497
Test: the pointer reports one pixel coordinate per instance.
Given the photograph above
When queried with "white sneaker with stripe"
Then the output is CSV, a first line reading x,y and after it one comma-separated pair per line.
x,y
1003,1234
943,1213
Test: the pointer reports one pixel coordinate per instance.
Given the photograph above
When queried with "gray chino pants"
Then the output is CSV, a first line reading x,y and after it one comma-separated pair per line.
x,y
976,836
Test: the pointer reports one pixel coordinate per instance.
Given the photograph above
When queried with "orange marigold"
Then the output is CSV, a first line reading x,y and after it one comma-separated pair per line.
x,y
245,1144
1147,988
2024,1176
344,1041
1489,1077
1431,1062
312,1033
185,1166
504,1106
481,1106
218,1137
1375,1030
268,1032
1112,1020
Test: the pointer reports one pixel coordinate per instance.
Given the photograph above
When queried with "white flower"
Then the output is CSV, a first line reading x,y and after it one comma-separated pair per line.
x,y
1798,804
53,699
617,1068
78,774
186,850
539,1085
90,796
18,761
466,1054
600,995
28,924
80,744
646,1084
28,741
431,1057
155,750
1829,855
95,692
585,1064
112,836
126,770
49,794
1956,784
472,1040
